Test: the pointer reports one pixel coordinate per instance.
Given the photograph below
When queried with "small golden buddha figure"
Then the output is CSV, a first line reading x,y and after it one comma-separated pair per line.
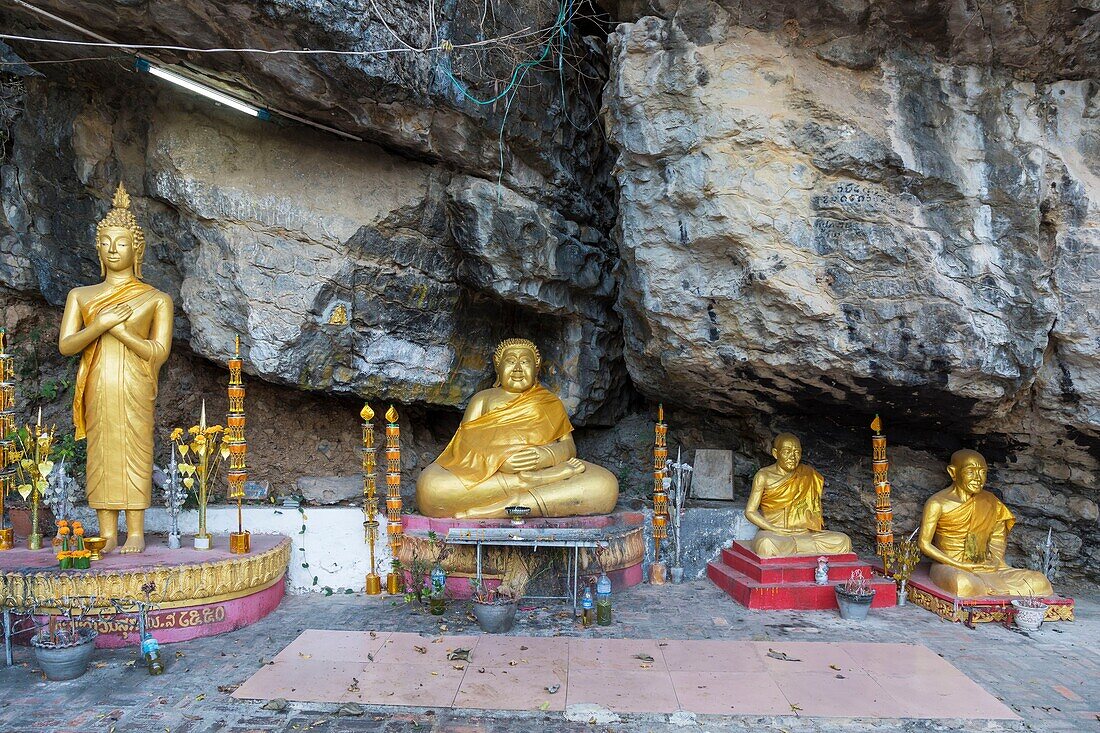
x,y
785,503
122,328
964,532
514,447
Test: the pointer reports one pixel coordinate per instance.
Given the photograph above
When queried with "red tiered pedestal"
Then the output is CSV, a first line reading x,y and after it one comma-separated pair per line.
x,y
787,583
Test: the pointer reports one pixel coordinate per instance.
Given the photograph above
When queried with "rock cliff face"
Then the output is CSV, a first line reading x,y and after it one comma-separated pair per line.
x,y
814,231
795,215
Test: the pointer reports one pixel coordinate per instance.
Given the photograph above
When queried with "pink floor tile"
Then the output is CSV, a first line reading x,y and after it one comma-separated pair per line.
x,y
499,651
729,693
804,656
837,695
405,648
334,646
624,691
618,654
894,659
301,680
949,694
400,683
711,656
513,688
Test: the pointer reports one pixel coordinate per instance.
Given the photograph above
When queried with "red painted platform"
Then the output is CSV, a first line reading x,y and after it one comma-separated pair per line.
x,y
787,583
926,594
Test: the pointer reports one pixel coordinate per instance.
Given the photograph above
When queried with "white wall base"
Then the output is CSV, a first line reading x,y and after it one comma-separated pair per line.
x,y
332,545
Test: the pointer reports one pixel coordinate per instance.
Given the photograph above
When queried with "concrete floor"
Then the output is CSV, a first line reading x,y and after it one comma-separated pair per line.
x,y
1051,679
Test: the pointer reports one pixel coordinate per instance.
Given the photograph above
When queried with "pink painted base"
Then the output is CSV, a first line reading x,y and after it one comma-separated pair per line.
x,y
613,525
171,624
419,523
183,624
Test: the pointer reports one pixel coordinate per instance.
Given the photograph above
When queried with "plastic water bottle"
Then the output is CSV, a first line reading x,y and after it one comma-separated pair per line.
x,y
588,613
150,650
603,600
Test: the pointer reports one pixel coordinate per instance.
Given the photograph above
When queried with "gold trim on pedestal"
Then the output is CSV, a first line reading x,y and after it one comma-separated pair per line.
x,y
977,614
176,585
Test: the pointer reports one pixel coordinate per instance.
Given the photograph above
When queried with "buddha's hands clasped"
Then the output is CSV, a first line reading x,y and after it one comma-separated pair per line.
x,y
113,317
526,459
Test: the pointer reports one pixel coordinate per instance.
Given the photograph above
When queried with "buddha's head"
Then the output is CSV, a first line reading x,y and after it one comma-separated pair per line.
x,y
787,450
968,471
517,363
119,240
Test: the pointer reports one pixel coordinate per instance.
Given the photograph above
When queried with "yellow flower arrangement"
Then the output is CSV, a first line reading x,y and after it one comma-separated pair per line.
x,y
201,452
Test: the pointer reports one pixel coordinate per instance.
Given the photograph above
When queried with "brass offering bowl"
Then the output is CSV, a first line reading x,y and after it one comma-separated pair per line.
x,y
517,513
95,544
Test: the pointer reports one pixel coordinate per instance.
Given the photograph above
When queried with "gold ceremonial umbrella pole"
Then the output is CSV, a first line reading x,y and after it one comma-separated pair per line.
x,y
373,583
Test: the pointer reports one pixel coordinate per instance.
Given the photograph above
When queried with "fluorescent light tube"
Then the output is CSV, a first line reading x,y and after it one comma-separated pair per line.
x,y
204,91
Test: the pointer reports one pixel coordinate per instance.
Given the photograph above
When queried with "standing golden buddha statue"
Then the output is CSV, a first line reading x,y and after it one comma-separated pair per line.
x,y
514,447
785,503
964,532
122,328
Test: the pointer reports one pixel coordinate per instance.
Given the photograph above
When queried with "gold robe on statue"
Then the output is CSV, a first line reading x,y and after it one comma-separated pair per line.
x,y
964,534
481,446
113,404
795,505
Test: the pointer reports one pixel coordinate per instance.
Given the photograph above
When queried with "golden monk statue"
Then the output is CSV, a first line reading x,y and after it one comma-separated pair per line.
x,y
964,532
122,328
514,448
785,503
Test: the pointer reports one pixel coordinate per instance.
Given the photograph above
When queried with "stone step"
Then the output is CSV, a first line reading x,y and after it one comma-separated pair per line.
x,y
794,569
801,596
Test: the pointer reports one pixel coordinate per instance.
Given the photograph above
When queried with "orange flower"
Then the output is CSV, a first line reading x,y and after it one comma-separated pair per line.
x,y
79,531
63,530
62,523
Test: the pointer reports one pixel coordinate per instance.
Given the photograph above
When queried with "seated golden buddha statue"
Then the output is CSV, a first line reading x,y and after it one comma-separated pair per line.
x,y
785,503
514,447
964,531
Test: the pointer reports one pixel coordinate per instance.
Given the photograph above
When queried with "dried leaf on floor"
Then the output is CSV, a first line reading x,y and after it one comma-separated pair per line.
x,y
421,649
781,656
795,708
458,666
305,656
553,689
200,698
459,655
512,663
833,666
226,689
644,657
354,686
370,657
278,705
545,705
373,635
